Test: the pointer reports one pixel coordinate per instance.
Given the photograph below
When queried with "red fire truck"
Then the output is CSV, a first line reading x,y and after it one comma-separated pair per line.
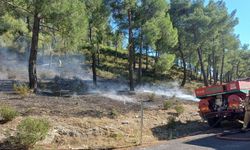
x,y
220,102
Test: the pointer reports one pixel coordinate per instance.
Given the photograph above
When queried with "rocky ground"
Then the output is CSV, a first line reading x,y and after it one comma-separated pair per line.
x,y
101,121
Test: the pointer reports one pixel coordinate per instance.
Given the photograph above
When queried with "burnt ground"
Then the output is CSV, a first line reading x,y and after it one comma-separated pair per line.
x,y
99,120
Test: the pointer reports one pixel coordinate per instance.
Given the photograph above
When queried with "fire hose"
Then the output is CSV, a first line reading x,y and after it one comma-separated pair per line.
x,y
226,136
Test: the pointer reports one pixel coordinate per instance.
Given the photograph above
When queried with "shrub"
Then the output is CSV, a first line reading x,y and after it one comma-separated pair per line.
x,y
8,113
31,130
168,104
116,136
113,113
179,109
21,89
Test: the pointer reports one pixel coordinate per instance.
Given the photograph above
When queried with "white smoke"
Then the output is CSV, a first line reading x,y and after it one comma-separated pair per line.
x,y
71,66
112,90
12,66
16,65
123,98
170,89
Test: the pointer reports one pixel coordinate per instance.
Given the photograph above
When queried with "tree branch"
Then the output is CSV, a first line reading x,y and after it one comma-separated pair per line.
x,y
51,28
18,7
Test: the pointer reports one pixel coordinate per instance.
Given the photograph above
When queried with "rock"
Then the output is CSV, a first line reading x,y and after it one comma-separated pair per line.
x,y
74,133
164,122
66,131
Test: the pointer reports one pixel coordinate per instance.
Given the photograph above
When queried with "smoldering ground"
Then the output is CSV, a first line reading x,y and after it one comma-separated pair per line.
x,y
69,72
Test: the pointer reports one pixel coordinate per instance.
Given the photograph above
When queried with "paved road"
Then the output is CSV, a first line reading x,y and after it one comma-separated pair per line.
x,y
201,142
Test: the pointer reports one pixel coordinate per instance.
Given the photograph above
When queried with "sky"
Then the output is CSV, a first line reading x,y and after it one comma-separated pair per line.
x,y
243,14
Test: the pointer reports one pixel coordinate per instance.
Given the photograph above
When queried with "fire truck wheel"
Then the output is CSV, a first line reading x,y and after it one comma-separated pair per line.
x,y
214,122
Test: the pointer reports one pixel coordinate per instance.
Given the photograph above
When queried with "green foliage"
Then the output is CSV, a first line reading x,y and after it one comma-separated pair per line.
x,y
8,113
64,23
116,136
168,34
69,18
31,130
114,113
168,104
151,32
21,89
11,24
98,14
164,63
179,109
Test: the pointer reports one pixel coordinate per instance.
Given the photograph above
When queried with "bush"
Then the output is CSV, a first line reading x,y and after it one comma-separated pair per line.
x,y
168,104
113,113
21,89
8,113
31,130
179,109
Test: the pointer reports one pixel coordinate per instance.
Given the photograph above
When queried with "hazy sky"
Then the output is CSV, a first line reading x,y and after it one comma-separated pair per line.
x,y
243,13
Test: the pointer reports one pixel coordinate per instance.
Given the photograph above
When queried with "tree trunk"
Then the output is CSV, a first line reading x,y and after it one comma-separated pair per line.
x,y
140,59
134,56
93,53
199,50
214,68
237,70
94,67
98,55
222,66
33,53
229,77
190,73
210,74
146,58
195,72
184,66
131,54
156,56
116,50
208,69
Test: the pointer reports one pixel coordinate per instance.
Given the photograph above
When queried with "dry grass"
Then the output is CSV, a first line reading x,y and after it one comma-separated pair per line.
x,y
22,89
